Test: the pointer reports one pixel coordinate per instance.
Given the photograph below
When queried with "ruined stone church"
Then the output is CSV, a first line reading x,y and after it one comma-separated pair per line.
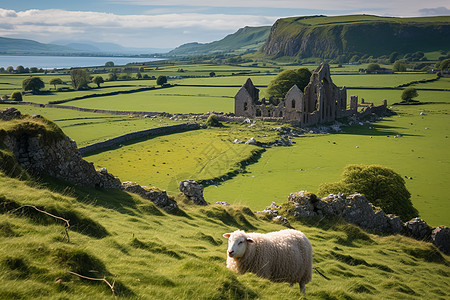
x,y
321,102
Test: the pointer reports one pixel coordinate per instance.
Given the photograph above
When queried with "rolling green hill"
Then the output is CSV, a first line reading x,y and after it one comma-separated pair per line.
x,y
29,47
245,39
329,37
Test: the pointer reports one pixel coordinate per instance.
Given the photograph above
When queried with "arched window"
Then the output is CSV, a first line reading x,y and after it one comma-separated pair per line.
x,y
281,114
293,103
258,112
245,106
268,113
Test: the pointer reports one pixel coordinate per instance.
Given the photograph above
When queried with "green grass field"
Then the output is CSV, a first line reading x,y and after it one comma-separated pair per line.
x,y
88,128
149,254
164,161
421,153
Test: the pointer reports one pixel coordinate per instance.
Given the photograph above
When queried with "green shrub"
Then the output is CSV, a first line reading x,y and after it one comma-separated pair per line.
x,y
381,185
409,93
16,96
213,121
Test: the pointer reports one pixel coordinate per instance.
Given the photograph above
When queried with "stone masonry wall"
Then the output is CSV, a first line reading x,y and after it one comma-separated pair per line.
x,y
137,135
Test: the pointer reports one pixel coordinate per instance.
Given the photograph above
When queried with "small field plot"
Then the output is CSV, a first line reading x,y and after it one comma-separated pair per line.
x,y
163,161
394,96
442,83
378,80
414,145
225,80
171,100
88,128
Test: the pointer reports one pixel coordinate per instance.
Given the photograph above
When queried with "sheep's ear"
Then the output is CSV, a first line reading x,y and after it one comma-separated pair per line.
x,y
250,240
226,235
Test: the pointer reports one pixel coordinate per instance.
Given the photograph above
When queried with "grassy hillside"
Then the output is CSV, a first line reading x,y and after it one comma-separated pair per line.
x,y
29,47
149,254
245,39
329,37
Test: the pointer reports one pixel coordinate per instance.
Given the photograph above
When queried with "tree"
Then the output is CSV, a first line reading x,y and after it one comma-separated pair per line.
x,y
16,96
373,67
109,64
409,93
399,65
381,185
10,69
284,81
213,121
33,84
80,78
112,76
34,70
98,80
393,57
212,74
445,65
56,81
20,69
138,75
161,80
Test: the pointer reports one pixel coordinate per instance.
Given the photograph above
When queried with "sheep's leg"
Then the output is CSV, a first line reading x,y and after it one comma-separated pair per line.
x,y
302,287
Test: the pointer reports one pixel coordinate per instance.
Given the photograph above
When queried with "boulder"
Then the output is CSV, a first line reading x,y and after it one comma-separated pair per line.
x,y
9,114
418,229
441,238
251,141
158,197
193,190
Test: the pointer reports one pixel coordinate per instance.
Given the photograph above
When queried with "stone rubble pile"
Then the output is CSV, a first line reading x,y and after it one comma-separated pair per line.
x,y
193,190
356,209
158,197
59,158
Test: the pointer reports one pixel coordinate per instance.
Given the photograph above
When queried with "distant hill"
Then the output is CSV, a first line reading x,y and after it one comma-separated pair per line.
x,y
28,47
109,47
329,37
10,46
245,39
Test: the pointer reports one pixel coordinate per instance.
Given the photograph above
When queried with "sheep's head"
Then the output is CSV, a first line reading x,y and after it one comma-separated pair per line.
x,y
237,243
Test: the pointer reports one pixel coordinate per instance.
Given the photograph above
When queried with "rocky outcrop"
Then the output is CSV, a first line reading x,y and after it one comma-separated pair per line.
x,y
355,209
441,238
193,190
158,197
329,37
40,152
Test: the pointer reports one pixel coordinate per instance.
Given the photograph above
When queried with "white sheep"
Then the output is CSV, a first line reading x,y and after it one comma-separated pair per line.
x,y
281,256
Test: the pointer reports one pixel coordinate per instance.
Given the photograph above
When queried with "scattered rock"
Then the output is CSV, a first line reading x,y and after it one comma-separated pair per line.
x,y
418,229
441,238
238,141
193,190
251,141
158,197
222,203
9,114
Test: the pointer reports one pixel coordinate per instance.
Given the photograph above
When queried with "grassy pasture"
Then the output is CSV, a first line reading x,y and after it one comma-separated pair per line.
x,y
378,80
421,153
163,161
88,128
171,100
153,255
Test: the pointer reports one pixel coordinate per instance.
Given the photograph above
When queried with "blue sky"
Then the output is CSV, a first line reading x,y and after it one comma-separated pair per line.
x,y
170,23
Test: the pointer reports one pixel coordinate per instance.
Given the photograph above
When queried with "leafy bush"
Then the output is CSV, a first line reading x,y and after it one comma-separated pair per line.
x,y
284,81
213,121
409,93
381,185
161,80
16,96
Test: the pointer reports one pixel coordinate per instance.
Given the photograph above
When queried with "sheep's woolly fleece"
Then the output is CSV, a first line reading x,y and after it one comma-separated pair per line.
x,y
282,256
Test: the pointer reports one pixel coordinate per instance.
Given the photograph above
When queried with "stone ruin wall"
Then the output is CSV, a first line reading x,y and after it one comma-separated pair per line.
x,y
322,102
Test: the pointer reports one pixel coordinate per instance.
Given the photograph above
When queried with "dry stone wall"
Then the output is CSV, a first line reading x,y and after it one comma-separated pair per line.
x,y
137,135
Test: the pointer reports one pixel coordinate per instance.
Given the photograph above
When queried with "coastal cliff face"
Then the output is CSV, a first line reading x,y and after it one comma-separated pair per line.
x,y
329,37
